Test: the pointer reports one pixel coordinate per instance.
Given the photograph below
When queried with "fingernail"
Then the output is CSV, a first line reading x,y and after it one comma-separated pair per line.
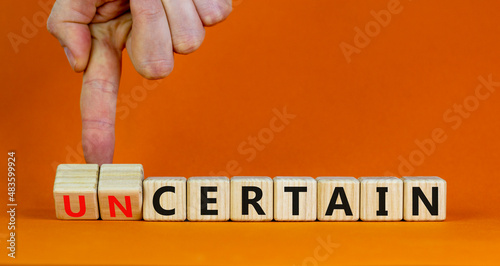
x,y
70,57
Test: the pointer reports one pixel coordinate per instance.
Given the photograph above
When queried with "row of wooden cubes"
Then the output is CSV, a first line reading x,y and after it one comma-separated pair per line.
x,y
119,192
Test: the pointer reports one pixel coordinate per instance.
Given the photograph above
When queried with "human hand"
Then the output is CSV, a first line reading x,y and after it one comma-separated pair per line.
x,y
93,34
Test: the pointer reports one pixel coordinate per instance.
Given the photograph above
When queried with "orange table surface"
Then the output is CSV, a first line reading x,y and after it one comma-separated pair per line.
x,y
422,97
466,238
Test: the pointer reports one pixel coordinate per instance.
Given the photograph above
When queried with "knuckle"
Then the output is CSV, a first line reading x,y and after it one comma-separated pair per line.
x,y
97,124
156,69
149,14
101,85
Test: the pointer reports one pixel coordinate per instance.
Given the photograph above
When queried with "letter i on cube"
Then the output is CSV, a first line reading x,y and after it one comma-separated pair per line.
x,y
381,199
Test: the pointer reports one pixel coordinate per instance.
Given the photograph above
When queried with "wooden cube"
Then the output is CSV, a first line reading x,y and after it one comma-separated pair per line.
x,y
75,192
121,169
294,198
120,192
208,198
381,199
251,198
338,198
77,168
424,198
164,199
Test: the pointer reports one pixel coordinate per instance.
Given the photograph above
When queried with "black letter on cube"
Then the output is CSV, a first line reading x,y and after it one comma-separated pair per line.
x,y
205,200
245,201
339,191
156,200
418,193
295,197
382,211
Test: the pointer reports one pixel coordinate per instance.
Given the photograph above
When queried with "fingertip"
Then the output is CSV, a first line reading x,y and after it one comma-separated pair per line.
x,y
75,40
188,43
213,12
156,69
149,43
97,147
70,57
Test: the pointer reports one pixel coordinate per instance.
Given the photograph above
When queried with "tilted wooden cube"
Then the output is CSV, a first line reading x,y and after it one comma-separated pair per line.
x,y
120,191
208,198
121,169
424,198
338,198
75,192
381,199
294,198
251,198
164,199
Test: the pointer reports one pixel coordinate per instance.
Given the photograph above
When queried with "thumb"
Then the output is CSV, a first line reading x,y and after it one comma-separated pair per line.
x,y
68,22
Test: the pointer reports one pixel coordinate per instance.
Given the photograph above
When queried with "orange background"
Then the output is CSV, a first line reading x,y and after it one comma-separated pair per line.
x,y
353,119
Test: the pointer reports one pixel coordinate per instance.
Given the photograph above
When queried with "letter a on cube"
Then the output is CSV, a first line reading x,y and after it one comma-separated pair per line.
x,y
338,198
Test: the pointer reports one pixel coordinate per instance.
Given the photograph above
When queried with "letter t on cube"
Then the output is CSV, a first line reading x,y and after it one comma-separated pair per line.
x,y
294,198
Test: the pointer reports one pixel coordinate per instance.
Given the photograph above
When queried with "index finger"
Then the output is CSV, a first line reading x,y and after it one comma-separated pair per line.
x,y
98,102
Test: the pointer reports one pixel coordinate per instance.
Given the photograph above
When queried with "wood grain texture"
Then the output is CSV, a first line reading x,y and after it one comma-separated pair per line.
x,y
265,184
169,200
120,191
77,168
370,209
305,210
430,186
121,169
217,202
343,186
74,181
